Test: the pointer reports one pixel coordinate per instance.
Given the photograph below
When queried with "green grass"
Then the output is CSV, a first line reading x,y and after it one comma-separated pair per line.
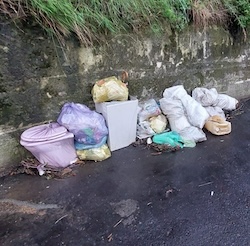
x,y
91,20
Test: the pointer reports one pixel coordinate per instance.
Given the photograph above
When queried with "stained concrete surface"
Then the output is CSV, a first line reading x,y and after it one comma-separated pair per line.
x,y
196,196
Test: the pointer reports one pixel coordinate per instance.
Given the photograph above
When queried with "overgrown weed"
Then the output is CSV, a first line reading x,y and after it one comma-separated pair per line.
x,y
90,20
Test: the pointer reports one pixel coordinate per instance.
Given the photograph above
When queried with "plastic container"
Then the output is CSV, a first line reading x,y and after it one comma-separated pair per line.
x,y
218,126
51,144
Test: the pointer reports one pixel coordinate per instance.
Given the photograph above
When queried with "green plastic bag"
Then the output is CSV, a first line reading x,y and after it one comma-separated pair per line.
x,y
170,138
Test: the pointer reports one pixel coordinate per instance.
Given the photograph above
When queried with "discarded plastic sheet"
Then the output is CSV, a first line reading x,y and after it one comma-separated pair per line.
x,y
95,154
218,126
144,130
169,138
88,126
109,89
51,144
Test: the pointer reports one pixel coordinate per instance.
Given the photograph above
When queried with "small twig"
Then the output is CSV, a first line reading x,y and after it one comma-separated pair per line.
x,y
119,222
208,183
110,237
61,218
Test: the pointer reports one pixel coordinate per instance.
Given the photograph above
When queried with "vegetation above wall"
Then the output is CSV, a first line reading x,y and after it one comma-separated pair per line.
x,y
92,20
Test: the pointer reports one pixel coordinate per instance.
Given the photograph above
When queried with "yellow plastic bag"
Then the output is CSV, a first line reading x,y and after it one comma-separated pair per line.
x,y
109,89
95,154
158,123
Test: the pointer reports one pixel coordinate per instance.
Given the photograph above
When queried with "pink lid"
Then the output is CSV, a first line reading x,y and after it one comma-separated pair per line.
x,y
44,132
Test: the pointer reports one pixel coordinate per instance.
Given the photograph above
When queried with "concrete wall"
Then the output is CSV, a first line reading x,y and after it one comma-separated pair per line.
x,y
37,75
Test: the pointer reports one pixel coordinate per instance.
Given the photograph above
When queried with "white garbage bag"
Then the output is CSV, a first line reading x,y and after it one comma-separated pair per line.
x,y
206,97
210,97
178,121
215,111
174,111
226,102
175,92
196,114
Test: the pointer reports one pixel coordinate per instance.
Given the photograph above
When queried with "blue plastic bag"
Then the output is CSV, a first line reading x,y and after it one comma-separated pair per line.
x,y
88,126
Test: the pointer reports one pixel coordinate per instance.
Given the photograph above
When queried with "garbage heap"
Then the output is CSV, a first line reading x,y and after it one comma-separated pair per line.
x,y
177,120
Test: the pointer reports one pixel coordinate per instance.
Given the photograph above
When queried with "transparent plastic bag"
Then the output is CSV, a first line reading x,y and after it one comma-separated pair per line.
x,y
88,126
148,109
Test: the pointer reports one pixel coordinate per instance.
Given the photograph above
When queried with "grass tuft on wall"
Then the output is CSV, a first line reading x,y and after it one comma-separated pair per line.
x,y
91,20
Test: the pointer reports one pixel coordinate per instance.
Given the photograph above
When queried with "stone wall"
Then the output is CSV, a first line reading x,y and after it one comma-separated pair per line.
x,y
38,75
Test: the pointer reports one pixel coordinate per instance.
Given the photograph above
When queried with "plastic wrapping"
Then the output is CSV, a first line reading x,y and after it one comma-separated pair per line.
x,y
109,89
148,109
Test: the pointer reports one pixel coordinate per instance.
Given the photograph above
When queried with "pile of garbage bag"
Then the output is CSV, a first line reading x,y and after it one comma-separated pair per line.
x,y
78,133
176,121
186,116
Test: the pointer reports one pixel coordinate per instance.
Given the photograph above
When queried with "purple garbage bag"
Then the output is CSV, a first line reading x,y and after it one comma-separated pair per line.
x,y
88,126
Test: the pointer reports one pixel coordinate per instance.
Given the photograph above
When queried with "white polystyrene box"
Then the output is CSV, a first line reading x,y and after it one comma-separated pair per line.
x,y
121,119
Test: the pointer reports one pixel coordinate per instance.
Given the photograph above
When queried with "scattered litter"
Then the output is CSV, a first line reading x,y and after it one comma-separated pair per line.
x,y
170,191
29,166
149,203
149,141
212,193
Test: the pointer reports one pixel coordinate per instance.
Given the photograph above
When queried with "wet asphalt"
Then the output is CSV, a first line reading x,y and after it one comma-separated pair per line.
x,y
194,196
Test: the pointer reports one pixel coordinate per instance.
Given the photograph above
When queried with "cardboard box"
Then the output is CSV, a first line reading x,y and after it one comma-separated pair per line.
x,y
121,119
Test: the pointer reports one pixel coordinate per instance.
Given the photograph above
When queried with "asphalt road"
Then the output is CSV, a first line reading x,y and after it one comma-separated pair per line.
x,y
194,196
